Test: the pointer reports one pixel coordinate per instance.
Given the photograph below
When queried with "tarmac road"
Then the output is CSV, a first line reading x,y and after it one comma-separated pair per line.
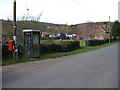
x,y
94,69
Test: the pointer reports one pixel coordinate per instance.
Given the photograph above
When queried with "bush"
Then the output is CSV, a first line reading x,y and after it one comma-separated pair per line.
x,y
6,54
62,47
69,45
96,42
49,48
44,48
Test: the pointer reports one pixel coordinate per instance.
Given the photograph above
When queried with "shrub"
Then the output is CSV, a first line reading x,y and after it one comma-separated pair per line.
x,y
69,45
64,46
6,54
96,42
48,47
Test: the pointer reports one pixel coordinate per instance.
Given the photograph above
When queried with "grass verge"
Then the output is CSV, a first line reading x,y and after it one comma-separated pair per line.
x,y
58,54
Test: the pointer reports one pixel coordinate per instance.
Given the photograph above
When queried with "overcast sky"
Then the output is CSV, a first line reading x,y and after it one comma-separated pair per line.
x,y
63,11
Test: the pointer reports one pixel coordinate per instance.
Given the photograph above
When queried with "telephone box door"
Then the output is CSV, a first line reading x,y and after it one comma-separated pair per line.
x,y
36,44
27,45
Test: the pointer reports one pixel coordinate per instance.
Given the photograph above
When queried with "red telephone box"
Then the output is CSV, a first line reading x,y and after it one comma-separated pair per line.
x,y
11,45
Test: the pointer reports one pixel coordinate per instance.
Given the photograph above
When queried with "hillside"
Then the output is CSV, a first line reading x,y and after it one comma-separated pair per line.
x,y
7,26
85,30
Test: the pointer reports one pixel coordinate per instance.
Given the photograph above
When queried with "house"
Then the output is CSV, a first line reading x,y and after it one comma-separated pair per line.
x,y
90,31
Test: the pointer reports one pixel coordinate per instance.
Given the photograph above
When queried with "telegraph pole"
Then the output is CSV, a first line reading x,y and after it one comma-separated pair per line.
x,y
15,52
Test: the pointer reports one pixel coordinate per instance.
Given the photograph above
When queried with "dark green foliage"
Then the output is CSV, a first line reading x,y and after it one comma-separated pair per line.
x,y
68,46
44,49
49,48
97,42
20,51
62,47
116,29
8,55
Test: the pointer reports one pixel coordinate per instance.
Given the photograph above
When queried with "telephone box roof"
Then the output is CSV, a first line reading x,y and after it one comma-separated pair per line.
x,y
31,30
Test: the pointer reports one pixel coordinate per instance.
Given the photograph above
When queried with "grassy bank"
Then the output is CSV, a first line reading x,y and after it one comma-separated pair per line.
x,y
59,54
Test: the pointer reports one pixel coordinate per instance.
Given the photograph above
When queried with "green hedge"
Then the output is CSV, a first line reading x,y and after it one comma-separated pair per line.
x,y
97,42
64,46
69,45
6,54
49,48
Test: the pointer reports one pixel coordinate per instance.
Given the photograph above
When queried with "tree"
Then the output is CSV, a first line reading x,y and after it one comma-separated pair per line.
x,y
115,31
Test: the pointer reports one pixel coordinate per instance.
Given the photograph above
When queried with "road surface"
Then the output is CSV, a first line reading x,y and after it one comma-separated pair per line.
x,y
94,69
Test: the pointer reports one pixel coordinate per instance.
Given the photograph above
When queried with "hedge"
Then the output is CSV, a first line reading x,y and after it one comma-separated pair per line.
x,y
62,47
97,42
44,48
69,45
6,54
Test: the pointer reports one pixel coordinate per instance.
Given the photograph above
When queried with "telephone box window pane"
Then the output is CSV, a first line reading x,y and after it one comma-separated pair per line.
x,y
27,39
36,40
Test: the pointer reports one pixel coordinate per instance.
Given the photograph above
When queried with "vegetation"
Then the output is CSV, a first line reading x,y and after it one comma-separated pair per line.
x,y
7,29
115,32
59,54
96,42
56,48
63,46
45,47
87,30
